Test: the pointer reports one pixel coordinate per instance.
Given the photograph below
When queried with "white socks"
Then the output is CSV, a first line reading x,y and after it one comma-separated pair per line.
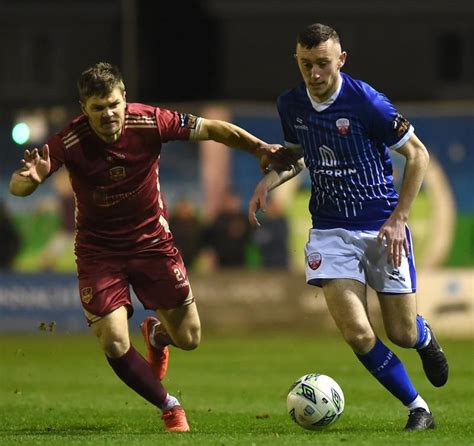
x,y
417,403
169,402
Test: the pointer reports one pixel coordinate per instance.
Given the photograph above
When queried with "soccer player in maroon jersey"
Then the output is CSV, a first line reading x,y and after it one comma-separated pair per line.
x,y
112,153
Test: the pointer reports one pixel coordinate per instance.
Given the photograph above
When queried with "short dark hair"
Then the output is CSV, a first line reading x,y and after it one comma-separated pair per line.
x,y
99,80
316,33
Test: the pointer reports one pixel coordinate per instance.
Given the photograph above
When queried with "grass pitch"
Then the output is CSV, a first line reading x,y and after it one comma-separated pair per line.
x,y
56,389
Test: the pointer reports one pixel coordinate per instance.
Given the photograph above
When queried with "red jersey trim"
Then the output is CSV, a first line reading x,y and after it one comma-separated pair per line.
x,y
76,135
140,121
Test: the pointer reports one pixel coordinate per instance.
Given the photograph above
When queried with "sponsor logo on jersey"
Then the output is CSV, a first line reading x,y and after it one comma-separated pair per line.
x,y
400,125
343,126
327,155
104,200
314,260
300,125
329,163
117,173
187,121
86,294
336,173
113,156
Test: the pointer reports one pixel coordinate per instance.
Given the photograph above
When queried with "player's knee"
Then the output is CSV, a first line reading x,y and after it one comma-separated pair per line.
x,y
116,348
189,340
359,340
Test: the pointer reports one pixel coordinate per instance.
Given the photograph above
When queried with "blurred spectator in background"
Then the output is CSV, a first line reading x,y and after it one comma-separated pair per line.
x,y
62,240
272,237
228,236
186,229
9,239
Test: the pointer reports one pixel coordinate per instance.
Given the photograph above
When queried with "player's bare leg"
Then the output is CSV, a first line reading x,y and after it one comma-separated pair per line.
x,y
347,303
409,330
130,366
399,318
182,325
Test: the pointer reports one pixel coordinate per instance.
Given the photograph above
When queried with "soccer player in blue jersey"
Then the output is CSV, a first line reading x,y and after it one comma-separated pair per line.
x,y
343,130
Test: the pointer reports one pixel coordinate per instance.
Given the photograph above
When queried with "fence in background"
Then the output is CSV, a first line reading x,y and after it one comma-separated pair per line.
x,y
236,301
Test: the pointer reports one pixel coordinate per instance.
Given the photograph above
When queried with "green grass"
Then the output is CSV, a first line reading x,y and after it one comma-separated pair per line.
x,y
56,389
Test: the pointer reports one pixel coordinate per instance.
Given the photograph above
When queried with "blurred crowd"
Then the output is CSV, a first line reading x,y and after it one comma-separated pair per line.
x,y
227,241
10,240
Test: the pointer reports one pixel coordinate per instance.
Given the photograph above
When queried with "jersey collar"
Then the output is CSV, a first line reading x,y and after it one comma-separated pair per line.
x,y
321,106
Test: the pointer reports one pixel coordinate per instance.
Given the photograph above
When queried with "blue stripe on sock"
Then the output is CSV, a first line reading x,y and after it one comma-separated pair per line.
x,y
389,371
422,332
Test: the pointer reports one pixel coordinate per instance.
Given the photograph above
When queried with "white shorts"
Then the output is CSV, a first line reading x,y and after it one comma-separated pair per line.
x,y
341,254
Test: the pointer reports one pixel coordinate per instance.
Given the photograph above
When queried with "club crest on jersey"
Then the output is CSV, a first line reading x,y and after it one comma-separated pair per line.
x,y
343,126
314,260
86,294
117,173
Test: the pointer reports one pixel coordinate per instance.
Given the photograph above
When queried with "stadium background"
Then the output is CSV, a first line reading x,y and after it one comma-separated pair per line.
x,y
231,59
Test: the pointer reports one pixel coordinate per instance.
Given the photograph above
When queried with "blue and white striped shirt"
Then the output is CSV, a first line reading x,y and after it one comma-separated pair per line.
x,y
346,143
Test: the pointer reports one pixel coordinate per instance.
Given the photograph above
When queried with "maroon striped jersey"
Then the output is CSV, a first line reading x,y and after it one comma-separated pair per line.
x,y
119,206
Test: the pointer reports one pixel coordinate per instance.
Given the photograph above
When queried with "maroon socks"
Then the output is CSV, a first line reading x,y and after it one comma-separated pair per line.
x,y
134,370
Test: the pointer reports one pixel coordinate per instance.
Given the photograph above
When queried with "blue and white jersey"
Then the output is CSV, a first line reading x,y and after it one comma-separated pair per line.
x,y
345,143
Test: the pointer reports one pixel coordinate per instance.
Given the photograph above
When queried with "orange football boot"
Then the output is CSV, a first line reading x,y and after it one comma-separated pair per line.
x,y
175,420
157,357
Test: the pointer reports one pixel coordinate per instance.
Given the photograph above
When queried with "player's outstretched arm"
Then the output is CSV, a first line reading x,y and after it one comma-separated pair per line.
x,y
36,167
270,181
234,136
393,230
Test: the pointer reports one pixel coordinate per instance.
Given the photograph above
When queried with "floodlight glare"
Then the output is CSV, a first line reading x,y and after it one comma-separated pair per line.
x,y
21,133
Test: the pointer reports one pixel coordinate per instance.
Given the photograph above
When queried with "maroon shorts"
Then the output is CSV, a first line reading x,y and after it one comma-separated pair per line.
x,y
158,279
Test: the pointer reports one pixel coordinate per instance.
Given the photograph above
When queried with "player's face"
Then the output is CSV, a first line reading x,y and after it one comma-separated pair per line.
x,y
320,68
106,114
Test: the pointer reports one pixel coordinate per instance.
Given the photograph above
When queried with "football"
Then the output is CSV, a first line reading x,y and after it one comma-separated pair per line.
x,y
315,401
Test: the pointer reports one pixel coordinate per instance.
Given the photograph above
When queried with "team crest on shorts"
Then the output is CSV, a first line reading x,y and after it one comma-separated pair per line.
x,y
314,260
343,125
86,294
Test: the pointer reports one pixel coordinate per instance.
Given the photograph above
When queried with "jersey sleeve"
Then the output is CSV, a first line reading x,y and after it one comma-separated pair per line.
x,y
387,125
174,126
289,134
57,153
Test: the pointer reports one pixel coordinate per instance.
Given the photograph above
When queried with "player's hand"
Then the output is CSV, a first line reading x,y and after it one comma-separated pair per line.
x,y
393,231
36,165
275,156
258,201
